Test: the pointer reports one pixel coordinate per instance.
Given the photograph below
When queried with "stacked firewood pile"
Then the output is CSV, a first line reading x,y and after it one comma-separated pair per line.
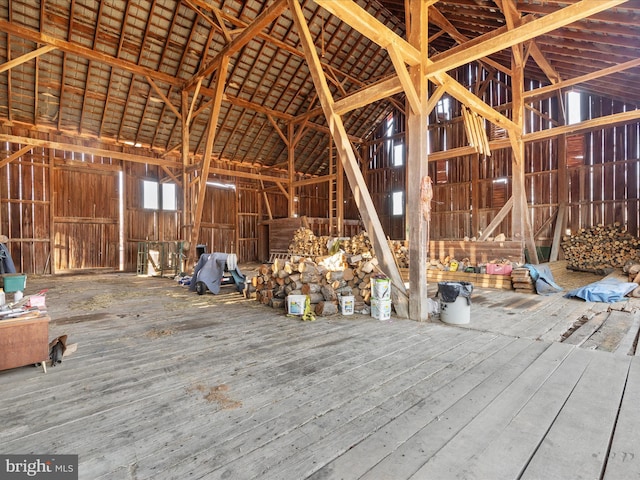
x,y
632,269
323,282
601,248
522,281
305,243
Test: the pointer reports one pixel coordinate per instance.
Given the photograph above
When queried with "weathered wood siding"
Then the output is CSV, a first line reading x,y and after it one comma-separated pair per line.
x,y
86,219
25,203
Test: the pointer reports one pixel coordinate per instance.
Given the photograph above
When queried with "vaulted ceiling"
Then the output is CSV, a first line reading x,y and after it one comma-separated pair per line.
x,y
115,70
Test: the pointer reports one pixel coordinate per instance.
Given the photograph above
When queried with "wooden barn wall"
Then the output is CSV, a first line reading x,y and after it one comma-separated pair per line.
x,y
278,204
248,201
383,176
604,184
602,166
313,200
144,224
218,225
86,218
25,208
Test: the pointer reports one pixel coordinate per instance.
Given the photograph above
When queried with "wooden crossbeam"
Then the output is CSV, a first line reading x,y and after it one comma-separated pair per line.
x,y
261,21
25,58
530,27
15,155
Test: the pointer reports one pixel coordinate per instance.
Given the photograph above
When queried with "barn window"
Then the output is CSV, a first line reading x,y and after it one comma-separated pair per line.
x,y
398,155
574,108
156,196
169,196
397,203
443,109
150,196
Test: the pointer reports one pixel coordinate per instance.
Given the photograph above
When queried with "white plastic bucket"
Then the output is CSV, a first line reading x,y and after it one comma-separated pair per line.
x,y
295,304
455,313
381,288
381,309
347,304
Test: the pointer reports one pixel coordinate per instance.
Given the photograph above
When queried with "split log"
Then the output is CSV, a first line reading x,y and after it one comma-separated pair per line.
x,y
277,303
326,308
308,288
316,297
328,293
348,274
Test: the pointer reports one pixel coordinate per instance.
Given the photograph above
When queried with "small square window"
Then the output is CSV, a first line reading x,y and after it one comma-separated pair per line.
x,y
398,155
169,200
150,195
397,203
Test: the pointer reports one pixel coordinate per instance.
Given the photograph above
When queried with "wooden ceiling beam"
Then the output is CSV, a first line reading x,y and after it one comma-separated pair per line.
x,y
377,32
265,18
246,175
528,29
15,155
84,52
100,152
437,18
541,92
163,97
26,57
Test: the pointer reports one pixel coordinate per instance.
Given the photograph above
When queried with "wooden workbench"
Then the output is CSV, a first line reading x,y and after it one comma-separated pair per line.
x,y
24,341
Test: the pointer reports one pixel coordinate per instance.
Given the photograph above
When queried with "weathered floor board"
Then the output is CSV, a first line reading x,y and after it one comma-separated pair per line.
x,y
167,384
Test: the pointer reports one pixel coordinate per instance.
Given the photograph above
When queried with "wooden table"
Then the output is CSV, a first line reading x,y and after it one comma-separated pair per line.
x,y
24,341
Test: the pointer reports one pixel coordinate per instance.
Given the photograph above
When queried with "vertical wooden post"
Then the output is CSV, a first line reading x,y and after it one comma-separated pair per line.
x,y
519,214
350,164
52,218
208,150
339,194
563,198
187,221
417,154
332,194
291,153
475,194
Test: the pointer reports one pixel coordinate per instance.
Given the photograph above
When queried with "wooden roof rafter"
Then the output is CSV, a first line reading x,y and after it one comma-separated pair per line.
x,y
87,53
95,37
252,96
264,19
64,67
176,120
528,28
133,77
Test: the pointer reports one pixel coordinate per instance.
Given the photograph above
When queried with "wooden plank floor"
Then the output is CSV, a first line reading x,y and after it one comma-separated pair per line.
x,y
167,384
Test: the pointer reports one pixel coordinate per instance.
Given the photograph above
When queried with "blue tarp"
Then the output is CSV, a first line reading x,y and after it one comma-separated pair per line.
x,y
543,279
607,290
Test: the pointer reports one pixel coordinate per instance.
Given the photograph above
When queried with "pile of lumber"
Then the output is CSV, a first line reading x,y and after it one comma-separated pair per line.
x,y
323,282
600,249
522,281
